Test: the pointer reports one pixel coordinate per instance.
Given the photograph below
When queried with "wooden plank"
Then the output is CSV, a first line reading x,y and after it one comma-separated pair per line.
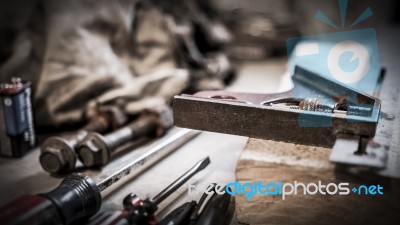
x,y
272,161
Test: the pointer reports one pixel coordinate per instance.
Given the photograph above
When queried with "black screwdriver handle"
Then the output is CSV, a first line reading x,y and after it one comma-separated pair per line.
x,y
217,210
180,215
77,197
186,214
30,209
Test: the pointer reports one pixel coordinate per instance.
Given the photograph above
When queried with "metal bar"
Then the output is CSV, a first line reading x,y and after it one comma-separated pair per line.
x,y
267,122
166,146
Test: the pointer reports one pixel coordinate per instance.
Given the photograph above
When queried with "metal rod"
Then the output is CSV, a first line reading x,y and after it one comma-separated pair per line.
x,y
166,146
180,181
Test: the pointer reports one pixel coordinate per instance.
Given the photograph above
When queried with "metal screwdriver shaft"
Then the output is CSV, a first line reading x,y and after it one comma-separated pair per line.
x,y
181,180
163,148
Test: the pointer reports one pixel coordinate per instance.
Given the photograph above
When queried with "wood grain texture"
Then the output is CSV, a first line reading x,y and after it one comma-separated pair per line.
x,y
272,161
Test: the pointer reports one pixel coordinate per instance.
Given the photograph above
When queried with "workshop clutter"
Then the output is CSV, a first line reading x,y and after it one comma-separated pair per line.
x,y
108,70
129,54
113,88
84,201
59,154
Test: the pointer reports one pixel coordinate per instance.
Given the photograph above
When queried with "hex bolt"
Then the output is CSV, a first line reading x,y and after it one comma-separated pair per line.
x,y
96,149
58,154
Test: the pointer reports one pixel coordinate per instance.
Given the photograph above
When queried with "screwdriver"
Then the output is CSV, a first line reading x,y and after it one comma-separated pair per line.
x,y
185,213
217,211
78,196
141,212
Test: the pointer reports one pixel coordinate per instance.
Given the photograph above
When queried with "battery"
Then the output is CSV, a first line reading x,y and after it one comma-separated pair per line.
x,y
17,131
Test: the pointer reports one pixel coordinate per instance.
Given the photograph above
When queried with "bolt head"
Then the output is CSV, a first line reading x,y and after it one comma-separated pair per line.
x,y
93,150
164,118
114,115
58,155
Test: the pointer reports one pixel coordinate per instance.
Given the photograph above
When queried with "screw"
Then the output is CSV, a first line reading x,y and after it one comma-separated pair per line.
x,y
96,150
58,154
305,104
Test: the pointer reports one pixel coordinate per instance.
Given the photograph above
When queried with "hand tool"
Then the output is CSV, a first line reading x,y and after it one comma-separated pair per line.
x,y
317,111
217,210
185,214
96,150
17,131
180,215
58,154
78,196
141,212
